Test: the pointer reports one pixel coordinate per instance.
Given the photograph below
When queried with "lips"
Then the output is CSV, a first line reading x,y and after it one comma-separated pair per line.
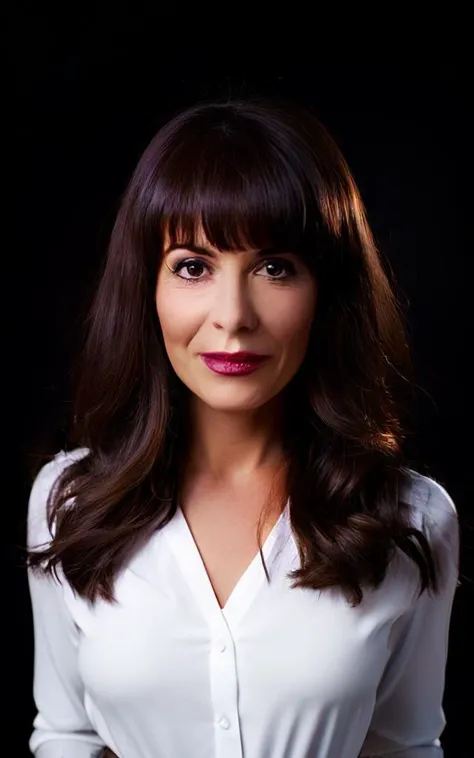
x,y
233,364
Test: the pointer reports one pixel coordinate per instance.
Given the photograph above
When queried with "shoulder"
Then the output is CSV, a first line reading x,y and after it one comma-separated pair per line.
x,y
429,501
38,531
433,512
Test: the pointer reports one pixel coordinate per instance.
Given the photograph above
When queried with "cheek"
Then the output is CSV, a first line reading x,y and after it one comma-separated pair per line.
x,y
178,320
291,321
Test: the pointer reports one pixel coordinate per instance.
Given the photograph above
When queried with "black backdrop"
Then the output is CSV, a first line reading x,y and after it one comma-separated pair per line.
x,y
90,91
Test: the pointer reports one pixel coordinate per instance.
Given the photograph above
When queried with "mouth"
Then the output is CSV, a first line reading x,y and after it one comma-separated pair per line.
x,y
233,364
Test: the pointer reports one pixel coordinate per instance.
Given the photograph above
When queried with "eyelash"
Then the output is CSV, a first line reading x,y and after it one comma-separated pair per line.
x,y
194,280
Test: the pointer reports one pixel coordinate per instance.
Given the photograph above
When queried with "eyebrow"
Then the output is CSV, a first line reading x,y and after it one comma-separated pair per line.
x,y
203,250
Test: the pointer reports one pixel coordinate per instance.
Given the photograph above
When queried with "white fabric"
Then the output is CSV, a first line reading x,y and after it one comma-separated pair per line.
x,y
278,673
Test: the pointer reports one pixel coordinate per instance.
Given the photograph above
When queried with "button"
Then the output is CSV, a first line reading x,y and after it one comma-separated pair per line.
x,y
224,723
221,646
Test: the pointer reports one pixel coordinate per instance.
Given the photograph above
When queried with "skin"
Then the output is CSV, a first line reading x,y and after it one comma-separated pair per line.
x,y
227,302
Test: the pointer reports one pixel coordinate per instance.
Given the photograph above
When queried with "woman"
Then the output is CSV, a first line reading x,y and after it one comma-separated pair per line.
x,y
234,558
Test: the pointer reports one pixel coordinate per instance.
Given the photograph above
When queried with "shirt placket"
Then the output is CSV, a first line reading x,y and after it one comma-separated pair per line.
x,y
224,691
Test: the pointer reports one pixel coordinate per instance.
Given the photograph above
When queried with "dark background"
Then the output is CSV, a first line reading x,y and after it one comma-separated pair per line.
x,y
91,89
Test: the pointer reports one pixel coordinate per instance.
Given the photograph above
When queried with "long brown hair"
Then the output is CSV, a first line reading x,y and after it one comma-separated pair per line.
x,y
251,174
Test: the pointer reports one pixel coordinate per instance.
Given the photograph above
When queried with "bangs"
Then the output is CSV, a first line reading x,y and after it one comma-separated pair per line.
x,y
233,183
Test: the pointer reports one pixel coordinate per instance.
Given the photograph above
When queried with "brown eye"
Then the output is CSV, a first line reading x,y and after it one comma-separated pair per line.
x,y
278,269
193,266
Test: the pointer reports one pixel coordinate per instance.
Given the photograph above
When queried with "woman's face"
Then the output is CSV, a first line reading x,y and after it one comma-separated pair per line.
x,y
208,302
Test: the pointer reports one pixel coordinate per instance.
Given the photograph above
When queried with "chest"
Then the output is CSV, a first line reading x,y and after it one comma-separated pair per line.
x,y
226,540
289,646
167,636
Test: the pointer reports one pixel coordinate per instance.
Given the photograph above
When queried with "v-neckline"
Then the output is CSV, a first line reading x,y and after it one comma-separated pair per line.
x,y
194,570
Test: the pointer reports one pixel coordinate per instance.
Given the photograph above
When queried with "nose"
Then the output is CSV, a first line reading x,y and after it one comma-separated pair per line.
x,y
232,307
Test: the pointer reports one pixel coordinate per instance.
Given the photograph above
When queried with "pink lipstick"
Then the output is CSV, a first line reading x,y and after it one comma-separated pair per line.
x,y
233,364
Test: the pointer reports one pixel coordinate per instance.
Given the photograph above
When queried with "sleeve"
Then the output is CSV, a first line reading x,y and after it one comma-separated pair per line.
x,y
61,728
408,717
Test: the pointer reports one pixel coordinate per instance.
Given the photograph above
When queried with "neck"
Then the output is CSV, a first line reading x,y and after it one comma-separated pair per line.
x,y
234,446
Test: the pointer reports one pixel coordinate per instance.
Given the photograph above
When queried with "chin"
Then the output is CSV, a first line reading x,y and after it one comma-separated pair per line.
x,y
231,403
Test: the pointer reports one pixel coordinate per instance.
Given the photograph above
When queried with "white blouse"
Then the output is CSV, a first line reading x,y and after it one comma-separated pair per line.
x,y
277,673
